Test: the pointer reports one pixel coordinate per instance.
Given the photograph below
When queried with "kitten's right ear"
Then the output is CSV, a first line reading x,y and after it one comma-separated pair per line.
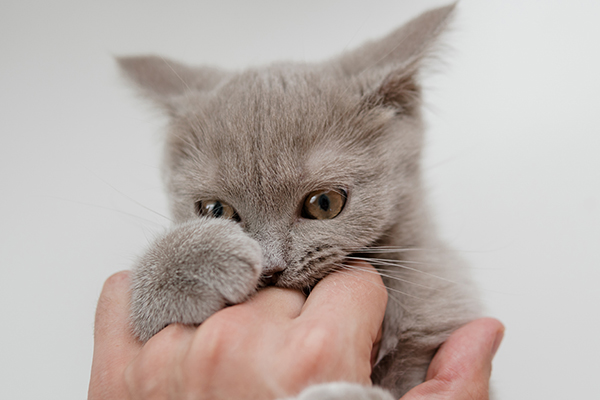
x,y
389,66
162,79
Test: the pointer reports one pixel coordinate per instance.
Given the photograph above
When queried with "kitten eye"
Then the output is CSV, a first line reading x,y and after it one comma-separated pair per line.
x,y
216,209
324,204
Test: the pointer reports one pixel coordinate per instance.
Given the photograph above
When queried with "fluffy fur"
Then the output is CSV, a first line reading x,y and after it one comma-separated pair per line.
x,y
261,140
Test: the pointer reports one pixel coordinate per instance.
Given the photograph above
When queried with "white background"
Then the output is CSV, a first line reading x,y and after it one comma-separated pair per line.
x,y
513,164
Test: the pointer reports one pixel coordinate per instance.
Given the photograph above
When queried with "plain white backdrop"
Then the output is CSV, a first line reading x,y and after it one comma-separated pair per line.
x,y
513,164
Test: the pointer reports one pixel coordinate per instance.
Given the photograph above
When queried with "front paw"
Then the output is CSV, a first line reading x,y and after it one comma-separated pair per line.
x,y
191,272
343,391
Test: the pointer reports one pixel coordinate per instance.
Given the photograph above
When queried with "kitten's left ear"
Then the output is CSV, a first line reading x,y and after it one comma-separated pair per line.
x,y
162,80
389,66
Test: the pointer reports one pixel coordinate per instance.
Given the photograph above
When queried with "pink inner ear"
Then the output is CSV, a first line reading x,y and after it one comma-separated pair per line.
x,y
398,90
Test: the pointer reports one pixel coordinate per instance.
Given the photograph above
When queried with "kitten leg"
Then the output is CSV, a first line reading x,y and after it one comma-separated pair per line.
x,y
192,271
343,391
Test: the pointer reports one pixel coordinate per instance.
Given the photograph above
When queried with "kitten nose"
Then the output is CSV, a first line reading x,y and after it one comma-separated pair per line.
x,y
272,268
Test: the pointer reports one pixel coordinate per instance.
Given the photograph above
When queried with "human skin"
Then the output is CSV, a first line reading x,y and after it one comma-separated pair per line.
x,y
274,345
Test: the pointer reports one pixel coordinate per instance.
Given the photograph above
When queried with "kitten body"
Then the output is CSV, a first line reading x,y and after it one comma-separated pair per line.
x,y
260,142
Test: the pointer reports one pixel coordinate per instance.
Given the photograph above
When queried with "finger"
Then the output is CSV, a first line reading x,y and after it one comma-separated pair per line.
x,y
253,333
114,344
271,303
271,308
463,364
155,372
278,302
356,294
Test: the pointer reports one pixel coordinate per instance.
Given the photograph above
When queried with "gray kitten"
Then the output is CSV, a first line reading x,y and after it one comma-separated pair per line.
x,y
277,175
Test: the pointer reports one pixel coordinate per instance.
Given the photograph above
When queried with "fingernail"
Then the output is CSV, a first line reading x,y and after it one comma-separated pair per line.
x,y
497,341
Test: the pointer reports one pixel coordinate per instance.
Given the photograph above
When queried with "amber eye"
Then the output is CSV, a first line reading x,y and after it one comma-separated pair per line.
x,y
216,209
324,204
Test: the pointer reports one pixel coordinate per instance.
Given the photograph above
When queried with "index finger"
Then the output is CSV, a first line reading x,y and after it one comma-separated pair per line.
x,y
356,293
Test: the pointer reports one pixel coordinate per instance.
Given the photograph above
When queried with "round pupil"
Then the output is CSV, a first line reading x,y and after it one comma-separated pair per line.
x,y
324,202
217,210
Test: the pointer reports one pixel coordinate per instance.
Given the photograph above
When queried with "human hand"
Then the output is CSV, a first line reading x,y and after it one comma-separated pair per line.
x,y
462,366
271,346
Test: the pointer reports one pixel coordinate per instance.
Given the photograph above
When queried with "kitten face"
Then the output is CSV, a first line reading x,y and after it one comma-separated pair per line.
x,y
264,140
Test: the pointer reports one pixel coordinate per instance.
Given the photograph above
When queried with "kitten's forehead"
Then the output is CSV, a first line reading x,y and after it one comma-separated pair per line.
x,y
270,136
283,108
281,102
277,113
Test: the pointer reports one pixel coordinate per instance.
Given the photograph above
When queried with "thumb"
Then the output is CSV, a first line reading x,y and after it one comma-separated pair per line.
x,y
462,367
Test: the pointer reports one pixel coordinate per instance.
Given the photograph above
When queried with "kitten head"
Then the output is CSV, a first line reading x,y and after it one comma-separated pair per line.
x,y
315,161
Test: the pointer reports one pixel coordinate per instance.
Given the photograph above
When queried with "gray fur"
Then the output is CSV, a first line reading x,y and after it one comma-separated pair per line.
x,y
261,140
342,390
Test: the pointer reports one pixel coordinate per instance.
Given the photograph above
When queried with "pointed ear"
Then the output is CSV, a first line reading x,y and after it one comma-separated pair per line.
x,y
162,79
390,65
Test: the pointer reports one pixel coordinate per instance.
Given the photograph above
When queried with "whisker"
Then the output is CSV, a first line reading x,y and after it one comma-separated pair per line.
x,y
106,208
387,260
392,264
130,198
385,249
388,288
390,295
188,95
388,247
175,72
386,270
387,276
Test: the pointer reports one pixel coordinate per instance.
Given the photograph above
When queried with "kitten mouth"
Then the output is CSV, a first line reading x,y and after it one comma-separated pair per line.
x,y
283,280
271,279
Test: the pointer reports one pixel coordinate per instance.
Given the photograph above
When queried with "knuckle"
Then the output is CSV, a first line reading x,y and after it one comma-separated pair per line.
x,y
318,347
140,379
173,333
216,338
130,376
151,374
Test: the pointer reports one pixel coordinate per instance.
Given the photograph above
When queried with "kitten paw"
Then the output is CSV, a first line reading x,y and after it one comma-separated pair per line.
x,y
191,272
343,391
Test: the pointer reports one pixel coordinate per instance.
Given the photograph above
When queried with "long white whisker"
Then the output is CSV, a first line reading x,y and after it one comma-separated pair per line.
x,y
385,249
387,260
386,275
390,295
130,198
392,264
388,288
175,72
189,89
105,208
